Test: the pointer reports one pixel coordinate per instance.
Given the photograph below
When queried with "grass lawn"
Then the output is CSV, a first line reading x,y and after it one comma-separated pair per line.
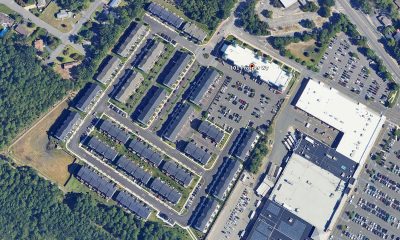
x,y
5,9
49,16
392,98
306,51
65,58
148,81
33,150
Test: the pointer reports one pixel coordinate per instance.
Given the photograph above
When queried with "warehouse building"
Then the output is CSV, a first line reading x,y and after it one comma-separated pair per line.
x,y
106,73
96,182
86,96
152,106
260,67
65,124
358,125
131,39
174,70
276,222
304,187
133,205
202,85
199,154
127,85
176,122
225,177
151,56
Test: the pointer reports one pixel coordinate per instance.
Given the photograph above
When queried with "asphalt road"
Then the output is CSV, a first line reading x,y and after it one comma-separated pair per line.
x,y
367,29
64,37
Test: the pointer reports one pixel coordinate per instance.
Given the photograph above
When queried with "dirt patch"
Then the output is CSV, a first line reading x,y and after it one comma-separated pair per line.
x,y
34,150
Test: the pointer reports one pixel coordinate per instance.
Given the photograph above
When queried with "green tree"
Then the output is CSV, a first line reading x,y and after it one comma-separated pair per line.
x,y
73,5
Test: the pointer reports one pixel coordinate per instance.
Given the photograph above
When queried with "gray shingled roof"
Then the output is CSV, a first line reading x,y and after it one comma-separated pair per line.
x,y
127,85
86,96
197,153
101,149
194,31
66,124
113,131
181,175
133,205
133,169
247,138
203,213
104,74
211,131
178,64
165,191
152,104
96,181
202,84
224,177
177,121
151,56
132,37
165,15
143,150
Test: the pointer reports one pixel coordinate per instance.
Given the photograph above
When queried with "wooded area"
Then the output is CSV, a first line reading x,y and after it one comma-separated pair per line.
x,y
103,35
27,88
260,151
73,5
208,12
33,208
250,20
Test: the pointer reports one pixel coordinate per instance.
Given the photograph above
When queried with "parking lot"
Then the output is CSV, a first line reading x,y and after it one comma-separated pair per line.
x,y
343,64
372,211
243,101
237,214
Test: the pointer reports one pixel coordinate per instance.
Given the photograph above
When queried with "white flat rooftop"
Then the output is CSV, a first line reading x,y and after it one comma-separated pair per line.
x,y
308,191
359,124
268,71
288,3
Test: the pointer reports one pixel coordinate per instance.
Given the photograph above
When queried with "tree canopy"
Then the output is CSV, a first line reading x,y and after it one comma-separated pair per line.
x,y
250,20
33,208
73,5
103,35
27,88
208,12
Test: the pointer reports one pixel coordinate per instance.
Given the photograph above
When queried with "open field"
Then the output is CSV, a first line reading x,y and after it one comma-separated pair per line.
x,y
49,16
33,150
298,50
